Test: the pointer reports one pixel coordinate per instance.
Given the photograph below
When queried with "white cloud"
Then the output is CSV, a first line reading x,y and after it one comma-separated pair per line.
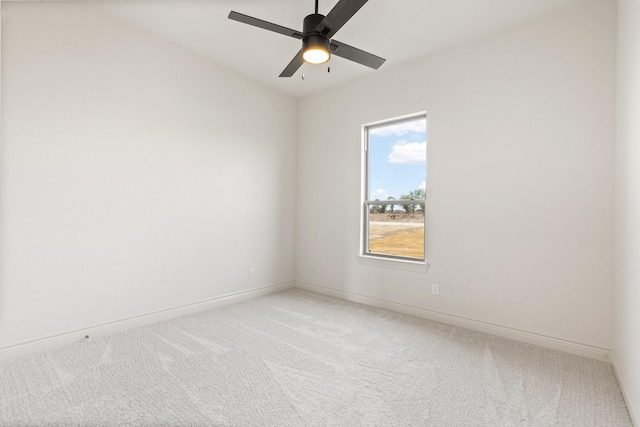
x,y
401,128
380,194
423,186
408,152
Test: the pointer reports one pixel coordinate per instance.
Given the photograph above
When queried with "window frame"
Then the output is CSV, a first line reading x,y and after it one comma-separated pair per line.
x,y
365,203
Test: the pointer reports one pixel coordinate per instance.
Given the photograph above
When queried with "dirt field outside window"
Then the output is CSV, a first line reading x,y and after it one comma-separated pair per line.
x,y
397,238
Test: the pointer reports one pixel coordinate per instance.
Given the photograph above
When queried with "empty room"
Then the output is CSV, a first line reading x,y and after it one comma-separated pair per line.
x,y
320,213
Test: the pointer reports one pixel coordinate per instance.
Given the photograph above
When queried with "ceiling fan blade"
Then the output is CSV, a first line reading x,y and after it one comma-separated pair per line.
x,y
339,15
356,55
245,19
293,66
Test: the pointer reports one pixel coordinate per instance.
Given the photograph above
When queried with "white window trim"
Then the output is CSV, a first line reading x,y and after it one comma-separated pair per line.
x,y
397,264
382,260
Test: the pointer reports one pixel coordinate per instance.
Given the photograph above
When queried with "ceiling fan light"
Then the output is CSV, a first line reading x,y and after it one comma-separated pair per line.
x,y
315,50
316,55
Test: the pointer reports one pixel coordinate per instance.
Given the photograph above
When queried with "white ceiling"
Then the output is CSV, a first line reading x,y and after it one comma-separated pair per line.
x,y
398,30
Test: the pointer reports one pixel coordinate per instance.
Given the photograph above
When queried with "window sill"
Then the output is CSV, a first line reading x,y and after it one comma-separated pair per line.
x,y
398,264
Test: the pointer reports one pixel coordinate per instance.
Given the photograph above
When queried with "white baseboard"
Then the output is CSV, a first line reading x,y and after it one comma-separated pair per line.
x,y
24,349
634,411
579,349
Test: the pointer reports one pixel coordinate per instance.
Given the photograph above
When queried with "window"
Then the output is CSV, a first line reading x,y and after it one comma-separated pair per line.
x,y
394,188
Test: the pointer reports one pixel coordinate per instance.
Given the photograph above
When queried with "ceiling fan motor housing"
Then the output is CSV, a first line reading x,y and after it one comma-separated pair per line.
x,y
311,22
312,37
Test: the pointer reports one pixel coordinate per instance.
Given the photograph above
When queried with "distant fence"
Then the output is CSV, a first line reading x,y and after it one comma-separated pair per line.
x,y
397,217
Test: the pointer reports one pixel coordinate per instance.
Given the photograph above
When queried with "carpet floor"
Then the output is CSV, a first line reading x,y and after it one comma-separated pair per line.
x,y
297,358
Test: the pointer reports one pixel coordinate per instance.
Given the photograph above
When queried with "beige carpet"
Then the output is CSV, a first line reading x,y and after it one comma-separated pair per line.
x,y
297,358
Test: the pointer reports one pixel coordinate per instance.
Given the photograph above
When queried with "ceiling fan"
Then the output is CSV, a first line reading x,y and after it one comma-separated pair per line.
x,y
317,41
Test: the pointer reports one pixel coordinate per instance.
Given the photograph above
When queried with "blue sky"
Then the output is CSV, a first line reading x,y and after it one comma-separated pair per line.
x,y
397,159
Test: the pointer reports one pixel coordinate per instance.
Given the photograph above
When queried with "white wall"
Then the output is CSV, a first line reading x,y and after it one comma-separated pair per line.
x,y
627,234
135,176
521,128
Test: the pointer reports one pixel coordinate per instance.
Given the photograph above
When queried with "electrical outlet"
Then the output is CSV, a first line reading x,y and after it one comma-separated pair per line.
x,y
435,289
252,272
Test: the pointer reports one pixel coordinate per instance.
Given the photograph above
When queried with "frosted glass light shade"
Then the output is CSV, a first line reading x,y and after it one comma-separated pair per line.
x,y
316,55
